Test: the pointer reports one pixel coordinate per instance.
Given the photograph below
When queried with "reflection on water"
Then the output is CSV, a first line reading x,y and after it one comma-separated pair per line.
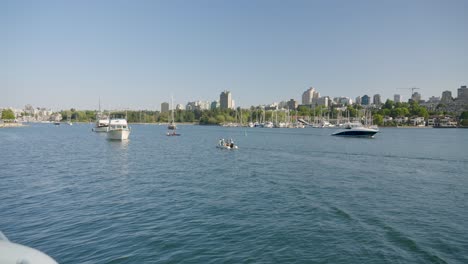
x,y
118,154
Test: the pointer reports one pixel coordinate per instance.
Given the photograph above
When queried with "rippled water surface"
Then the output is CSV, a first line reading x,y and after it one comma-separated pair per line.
x,y
286,196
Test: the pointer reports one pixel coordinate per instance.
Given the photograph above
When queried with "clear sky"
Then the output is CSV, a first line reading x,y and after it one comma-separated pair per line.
x,y
135,54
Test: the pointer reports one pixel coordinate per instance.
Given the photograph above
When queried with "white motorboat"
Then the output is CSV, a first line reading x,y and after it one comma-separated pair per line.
x,y
226,144
118,129
356,129
102,121
102,125
12,253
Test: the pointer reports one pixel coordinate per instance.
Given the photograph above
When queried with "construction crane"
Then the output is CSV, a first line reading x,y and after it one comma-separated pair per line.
x,y
412,90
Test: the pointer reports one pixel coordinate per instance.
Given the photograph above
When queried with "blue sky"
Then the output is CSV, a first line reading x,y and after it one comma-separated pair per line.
x,y
135,54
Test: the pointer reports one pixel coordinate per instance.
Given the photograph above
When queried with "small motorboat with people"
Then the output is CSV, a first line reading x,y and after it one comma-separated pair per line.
x,y
226,144
118,129
12,253
356,129
172,133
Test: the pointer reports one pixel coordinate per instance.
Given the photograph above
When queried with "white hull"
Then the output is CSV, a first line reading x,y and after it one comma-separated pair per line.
x,y
120,134
226,147
100,129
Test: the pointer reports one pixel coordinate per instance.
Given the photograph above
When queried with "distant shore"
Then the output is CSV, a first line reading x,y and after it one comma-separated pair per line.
x,y
9,125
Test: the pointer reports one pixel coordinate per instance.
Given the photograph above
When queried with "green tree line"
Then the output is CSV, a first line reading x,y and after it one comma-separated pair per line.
x,y
220,116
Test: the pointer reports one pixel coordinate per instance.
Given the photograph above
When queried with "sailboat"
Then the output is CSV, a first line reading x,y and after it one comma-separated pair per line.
x,y
102,121
69,122
172,126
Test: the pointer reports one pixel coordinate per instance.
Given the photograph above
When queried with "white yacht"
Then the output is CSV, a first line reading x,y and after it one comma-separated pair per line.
x,y
356,129
268,125
102,121
102,124
118,129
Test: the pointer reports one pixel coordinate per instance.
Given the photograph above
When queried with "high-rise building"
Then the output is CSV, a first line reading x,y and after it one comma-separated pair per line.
x,y
397,98
365,100
164,107
283,105
180,107
198,105
462,93
377,99
225,100
214,105
292,104
416,97
433,100
324,101
358,100
309,95
446,97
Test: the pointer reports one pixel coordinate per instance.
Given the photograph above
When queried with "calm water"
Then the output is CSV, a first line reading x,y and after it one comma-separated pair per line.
x,y
286,196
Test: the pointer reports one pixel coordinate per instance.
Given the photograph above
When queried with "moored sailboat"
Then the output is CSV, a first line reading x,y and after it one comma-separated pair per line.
x,y
102,121
172,126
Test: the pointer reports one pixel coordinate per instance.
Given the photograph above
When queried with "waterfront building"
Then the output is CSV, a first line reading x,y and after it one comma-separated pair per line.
x,y
358,100
431,104
401,120
345,101
292,104
433,100
446,97
198,105
462,93
273,106
164,107
377,99
365,100
55,117
225,100
191,106
214,105
417,121
309,95
416,97
323,101
397,98
387,119
283,105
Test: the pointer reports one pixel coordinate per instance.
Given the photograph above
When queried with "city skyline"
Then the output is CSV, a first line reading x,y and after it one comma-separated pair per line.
x,y
135,55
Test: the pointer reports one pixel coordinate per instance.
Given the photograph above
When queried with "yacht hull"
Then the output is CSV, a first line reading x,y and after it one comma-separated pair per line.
x,y
118,134
356,132
100,129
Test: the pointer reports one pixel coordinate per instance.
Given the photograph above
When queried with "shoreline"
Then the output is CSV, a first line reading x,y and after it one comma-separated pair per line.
x,y
11,125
